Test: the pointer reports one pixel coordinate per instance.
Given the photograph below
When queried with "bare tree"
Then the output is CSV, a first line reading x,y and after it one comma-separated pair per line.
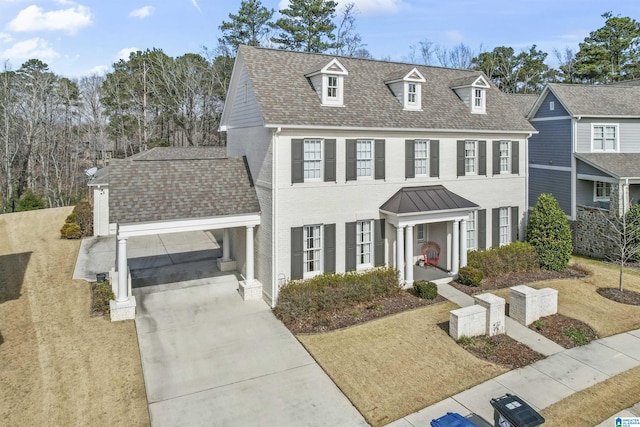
x,y
348,41
459,56
622,236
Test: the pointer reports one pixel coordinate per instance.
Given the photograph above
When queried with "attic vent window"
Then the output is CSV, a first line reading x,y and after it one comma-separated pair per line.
x,y
552,105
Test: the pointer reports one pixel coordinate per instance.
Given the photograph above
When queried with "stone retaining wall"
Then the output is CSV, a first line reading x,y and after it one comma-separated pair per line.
x,y
587,232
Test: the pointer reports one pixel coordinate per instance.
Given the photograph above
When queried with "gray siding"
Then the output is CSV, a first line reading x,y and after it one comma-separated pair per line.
x,y
552,145
584,195
629,137
557,183
245,112
584,168
544,110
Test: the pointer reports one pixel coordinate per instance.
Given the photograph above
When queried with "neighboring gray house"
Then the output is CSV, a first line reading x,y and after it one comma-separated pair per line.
x,y
359,163
586,153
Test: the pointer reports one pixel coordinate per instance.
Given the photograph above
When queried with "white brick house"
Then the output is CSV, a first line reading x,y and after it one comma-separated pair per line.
x,y
357,163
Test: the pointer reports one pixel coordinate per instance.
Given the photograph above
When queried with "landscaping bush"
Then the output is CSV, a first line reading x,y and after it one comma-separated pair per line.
x,y
549,233
425,290
84,217
102,294
329,292
70,231
470,276
511,258
71,218
29,202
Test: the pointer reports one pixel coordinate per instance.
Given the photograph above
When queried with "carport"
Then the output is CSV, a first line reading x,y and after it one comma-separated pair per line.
x,y
170,190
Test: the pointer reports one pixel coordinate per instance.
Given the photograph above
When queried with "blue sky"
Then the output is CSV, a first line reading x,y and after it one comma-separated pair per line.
x,y
81,37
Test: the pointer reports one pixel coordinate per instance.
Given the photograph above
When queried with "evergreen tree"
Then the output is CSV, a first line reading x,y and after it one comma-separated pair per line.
x,y
549,233
307,25
249,27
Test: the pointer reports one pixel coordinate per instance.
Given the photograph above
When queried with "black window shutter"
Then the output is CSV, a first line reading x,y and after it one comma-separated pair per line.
x,y
434,159
351,160
378,242
496,157
460,158
297,241
515,223
297,161
350,246
379,153
409,158
515,157
482,229
329,248
482,158
329,160
495,227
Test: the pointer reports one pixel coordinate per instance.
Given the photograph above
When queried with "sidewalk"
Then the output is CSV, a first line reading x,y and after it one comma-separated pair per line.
x,y
543,383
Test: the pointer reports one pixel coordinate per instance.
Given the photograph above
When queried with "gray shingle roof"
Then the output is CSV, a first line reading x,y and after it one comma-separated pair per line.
x,y
523,101
603,100
162,190
285,96
428,198
618,165
184,153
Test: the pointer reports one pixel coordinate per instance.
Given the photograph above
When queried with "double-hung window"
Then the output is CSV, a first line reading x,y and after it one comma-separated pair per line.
x,y
505,159
504,226
312,250
421,232
472,231
364,158
412,93
421,155
332,87
477,98
312,159
364,239
601,191
605,137
470,157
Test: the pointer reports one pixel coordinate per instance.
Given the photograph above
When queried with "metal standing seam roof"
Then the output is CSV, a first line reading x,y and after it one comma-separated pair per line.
x,y
161,187
618,165
603,100
286,97
430,198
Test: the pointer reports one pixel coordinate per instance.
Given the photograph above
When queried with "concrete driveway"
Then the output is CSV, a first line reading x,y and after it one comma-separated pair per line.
x,y
210,358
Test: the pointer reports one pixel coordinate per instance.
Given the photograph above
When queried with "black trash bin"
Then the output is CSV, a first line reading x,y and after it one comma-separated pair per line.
x,y
101,277
511,411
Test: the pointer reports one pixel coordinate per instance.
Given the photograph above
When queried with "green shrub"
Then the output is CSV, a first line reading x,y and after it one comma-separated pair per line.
x,y
514,257
84,217
70,231
102,294
470,276
330,292
30,202
71,218
576,335
425,290
549,233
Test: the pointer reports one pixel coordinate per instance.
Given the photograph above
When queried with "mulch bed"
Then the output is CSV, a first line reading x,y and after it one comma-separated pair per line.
x,y
565,331
361,313
624,296
502,350
513,279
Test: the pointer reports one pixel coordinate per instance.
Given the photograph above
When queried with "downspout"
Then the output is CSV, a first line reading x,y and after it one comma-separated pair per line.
x,y
526,183
275,288
574,172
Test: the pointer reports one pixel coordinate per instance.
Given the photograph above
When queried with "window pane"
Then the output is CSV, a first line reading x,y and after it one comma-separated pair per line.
x,y
471,231
504,156
421,157
312,248
364,157
332,86
363,242
504,226
470,156
312,158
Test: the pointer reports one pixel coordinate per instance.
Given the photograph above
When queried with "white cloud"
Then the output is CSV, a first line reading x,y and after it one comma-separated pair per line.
x,y
34,18
143,12
196,5
454,35
5,38
125,52
32,48
99,70
370,7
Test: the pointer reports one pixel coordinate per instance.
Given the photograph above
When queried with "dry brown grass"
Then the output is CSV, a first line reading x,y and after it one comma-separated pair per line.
x,y
392,367
597,403
59,366
578,298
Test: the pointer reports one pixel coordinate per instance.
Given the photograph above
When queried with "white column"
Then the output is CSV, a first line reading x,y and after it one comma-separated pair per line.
x,y
249,244
123,272
455,248
408,253
463,243
400,252
226,245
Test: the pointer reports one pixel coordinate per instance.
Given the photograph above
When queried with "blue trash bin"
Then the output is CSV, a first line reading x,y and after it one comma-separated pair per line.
x,y
452,419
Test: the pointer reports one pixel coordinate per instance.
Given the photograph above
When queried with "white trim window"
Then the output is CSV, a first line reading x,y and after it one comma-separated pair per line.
x,y
421,232
312,250
421,157
364,244
412,93
601,191
332,87
470,157
472,231
604,137
505,158
505,237
364,158
479,96
312,149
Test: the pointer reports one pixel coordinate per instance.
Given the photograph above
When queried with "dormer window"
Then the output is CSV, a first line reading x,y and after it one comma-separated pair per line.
x,y
407,87
328,83
472,90
478,100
